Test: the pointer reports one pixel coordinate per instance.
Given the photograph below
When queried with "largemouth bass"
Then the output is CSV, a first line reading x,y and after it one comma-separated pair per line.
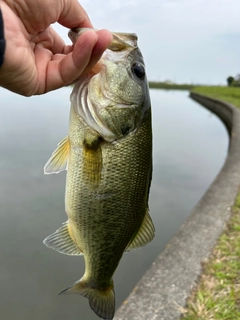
x,y
108,157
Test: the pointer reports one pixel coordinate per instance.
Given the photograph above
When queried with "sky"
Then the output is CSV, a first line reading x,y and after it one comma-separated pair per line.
x,y
192,41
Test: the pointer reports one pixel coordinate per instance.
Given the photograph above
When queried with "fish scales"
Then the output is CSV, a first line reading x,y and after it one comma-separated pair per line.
x,y
121,192
108,157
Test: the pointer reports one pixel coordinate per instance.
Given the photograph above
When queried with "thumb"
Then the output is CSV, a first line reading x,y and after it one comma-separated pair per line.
x,y
64,69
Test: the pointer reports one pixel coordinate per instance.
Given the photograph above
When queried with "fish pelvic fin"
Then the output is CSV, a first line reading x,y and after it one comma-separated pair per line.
x,y
59,158
144,235
101,300
62,241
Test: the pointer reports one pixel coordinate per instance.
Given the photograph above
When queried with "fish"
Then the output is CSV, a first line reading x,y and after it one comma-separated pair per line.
x,y
108,158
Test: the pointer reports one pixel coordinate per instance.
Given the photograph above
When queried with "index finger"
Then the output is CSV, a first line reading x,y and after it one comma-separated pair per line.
x,y
73,15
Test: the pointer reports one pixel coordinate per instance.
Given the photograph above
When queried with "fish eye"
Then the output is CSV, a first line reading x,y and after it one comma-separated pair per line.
x,y
139,70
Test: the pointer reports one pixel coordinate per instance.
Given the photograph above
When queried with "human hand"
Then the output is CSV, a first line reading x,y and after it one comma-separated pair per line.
x,y
36,59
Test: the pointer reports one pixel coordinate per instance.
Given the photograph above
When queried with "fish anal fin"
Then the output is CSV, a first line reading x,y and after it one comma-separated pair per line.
x,y
59,158
92,160
62,241
101,300
145,233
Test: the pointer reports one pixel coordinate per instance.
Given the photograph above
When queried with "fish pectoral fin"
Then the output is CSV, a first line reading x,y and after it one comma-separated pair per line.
x,y
92,160
62,242
145,234
59,158
101,300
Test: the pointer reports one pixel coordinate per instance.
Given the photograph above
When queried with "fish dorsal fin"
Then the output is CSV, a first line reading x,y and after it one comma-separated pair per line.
x,y
62,242
59,158
145,233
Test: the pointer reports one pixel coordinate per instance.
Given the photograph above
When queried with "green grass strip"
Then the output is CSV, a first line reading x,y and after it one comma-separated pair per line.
x,y
170,86
228,94
217,295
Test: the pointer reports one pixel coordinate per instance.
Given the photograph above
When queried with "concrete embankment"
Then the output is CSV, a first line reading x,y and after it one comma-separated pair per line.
x,y
164,288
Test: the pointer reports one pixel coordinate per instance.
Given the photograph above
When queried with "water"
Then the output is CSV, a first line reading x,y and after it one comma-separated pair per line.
x,y
190,146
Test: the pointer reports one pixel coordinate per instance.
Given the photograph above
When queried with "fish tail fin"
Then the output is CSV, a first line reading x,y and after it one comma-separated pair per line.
x,y
101,301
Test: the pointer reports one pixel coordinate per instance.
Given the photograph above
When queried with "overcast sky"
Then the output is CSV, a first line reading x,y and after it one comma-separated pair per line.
x,y
194,41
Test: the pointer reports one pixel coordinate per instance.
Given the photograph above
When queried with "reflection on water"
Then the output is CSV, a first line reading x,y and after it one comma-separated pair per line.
x,y
190,146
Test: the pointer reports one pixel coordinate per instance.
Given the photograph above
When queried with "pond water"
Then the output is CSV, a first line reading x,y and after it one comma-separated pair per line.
x,y
190,146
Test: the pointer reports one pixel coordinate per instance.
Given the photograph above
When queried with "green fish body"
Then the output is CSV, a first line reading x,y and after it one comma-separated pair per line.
x,y
108,156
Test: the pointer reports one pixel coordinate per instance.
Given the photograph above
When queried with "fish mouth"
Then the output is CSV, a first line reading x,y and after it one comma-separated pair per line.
x,y
122,44
121,41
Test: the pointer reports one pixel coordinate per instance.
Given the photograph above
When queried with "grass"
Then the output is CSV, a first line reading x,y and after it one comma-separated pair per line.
x,y
217,295
170,86
229,94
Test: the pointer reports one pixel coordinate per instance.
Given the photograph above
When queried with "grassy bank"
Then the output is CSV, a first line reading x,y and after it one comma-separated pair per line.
x,y
170,86
229,94
217,295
